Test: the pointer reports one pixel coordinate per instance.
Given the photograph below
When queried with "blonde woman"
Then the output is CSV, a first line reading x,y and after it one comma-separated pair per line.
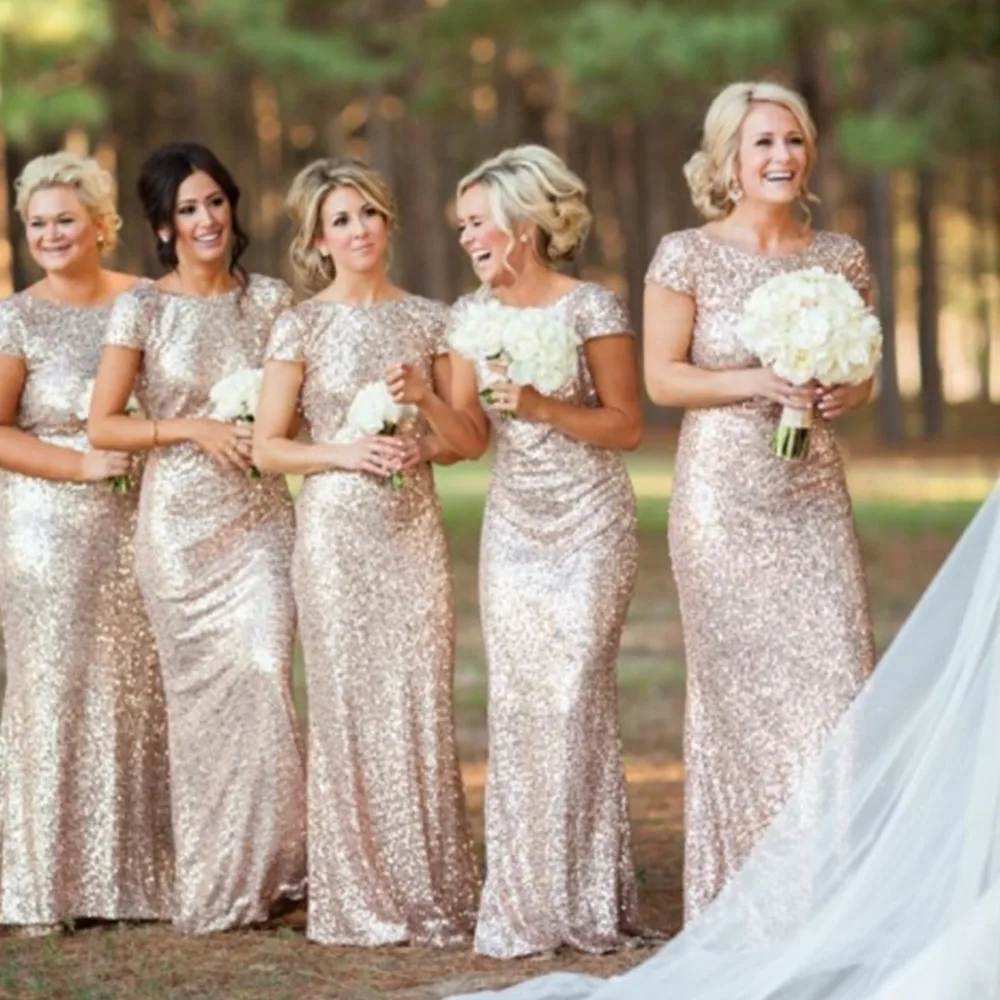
x,y
213,548
390,858
778,635
557,570
84,798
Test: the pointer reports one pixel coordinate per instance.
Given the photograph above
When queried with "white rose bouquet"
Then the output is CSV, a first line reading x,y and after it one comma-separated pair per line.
x,y
374,411
234,400
120,484
532,346
809,325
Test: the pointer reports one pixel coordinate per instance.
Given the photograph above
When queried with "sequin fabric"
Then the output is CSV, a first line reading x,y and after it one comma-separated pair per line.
x,y
390,857
557,572
213,556
84,795
774,605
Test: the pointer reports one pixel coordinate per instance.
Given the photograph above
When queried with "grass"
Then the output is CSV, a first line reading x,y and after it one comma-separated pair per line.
x,y
909,514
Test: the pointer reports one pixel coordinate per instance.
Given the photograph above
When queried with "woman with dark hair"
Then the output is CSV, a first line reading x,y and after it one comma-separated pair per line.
x,y
213,547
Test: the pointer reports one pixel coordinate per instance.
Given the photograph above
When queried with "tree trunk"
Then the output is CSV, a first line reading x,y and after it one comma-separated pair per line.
x,y
14,163
928,307
880,246
814,80
977,194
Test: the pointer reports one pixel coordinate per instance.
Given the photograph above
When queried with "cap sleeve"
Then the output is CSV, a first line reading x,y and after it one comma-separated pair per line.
x,y
602,314
672,265
438,329
272,295
857,268
13,336
288,338
453,318
131,318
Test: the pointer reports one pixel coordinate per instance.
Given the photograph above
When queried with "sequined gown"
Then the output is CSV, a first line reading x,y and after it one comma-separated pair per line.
x,y
213,556
84,794
777,629
557,571
390,859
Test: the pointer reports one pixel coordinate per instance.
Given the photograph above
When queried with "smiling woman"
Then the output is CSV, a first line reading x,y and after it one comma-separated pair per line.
x,y
213,547
84,808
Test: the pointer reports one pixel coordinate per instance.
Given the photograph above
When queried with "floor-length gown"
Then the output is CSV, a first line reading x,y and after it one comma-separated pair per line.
x,y
557,572
390,858
213,554
773,600
84,793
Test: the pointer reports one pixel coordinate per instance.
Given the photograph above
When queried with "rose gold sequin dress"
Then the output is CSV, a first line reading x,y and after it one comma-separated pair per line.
x,y
390,857
557,572
777,630
213,553
84,794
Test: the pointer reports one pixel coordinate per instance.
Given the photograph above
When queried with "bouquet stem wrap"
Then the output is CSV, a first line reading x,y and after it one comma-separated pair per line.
x,y
792,436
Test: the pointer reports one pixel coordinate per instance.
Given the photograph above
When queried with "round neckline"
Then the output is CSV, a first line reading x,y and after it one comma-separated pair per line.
x,y
545,305
742,251
369,307
217,297
69,306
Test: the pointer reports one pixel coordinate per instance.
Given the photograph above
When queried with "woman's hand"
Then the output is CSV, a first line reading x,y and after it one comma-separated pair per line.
x,y
762,382
98,465
412,453
836,400
406,384
376,454
231,445
522,401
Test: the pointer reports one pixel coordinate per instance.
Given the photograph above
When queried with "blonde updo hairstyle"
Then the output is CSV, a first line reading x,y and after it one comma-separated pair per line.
x,y
532,184
94,186
713,172
305,199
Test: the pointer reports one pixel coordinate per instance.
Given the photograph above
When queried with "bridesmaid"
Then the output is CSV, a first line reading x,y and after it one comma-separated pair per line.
x,y
777,631
557,571
213,546
84,798
389,850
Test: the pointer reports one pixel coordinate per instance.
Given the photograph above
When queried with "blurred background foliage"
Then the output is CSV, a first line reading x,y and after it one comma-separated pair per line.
x,y
905,94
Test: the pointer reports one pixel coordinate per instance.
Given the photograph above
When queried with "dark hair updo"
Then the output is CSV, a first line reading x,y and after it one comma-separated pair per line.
x,y
160,179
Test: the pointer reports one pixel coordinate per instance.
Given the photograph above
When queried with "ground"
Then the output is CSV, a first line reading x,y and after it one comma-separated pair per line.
x,y
910,511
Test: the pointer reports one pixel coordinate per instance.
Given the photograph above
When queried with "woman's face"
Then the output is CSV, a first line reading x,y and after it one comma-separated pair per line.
x,y
63,236
203,221
493,258
353,233
773,160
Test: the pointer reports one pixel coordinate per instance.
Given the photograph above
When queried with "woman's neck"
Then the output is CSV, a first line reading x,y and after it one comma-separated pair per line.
x,y
535,285
764,228
86,287
365,289
199,281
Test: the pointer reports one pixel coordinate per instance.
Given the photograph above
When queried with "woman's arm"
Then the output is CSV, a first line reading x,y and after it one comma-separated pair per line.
x,y
276,450
110,427
616,423
455,414
24,453
429,447
671,379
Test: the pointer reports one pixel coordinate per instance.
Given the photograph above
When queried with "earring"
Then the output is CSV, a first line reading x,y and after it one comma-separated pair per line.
x,y
524,237
100,241
735,192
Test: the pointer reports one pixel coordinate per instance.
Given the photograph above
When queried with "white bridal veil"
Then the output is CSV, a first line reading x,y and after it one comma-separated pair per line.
x,y
893,890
